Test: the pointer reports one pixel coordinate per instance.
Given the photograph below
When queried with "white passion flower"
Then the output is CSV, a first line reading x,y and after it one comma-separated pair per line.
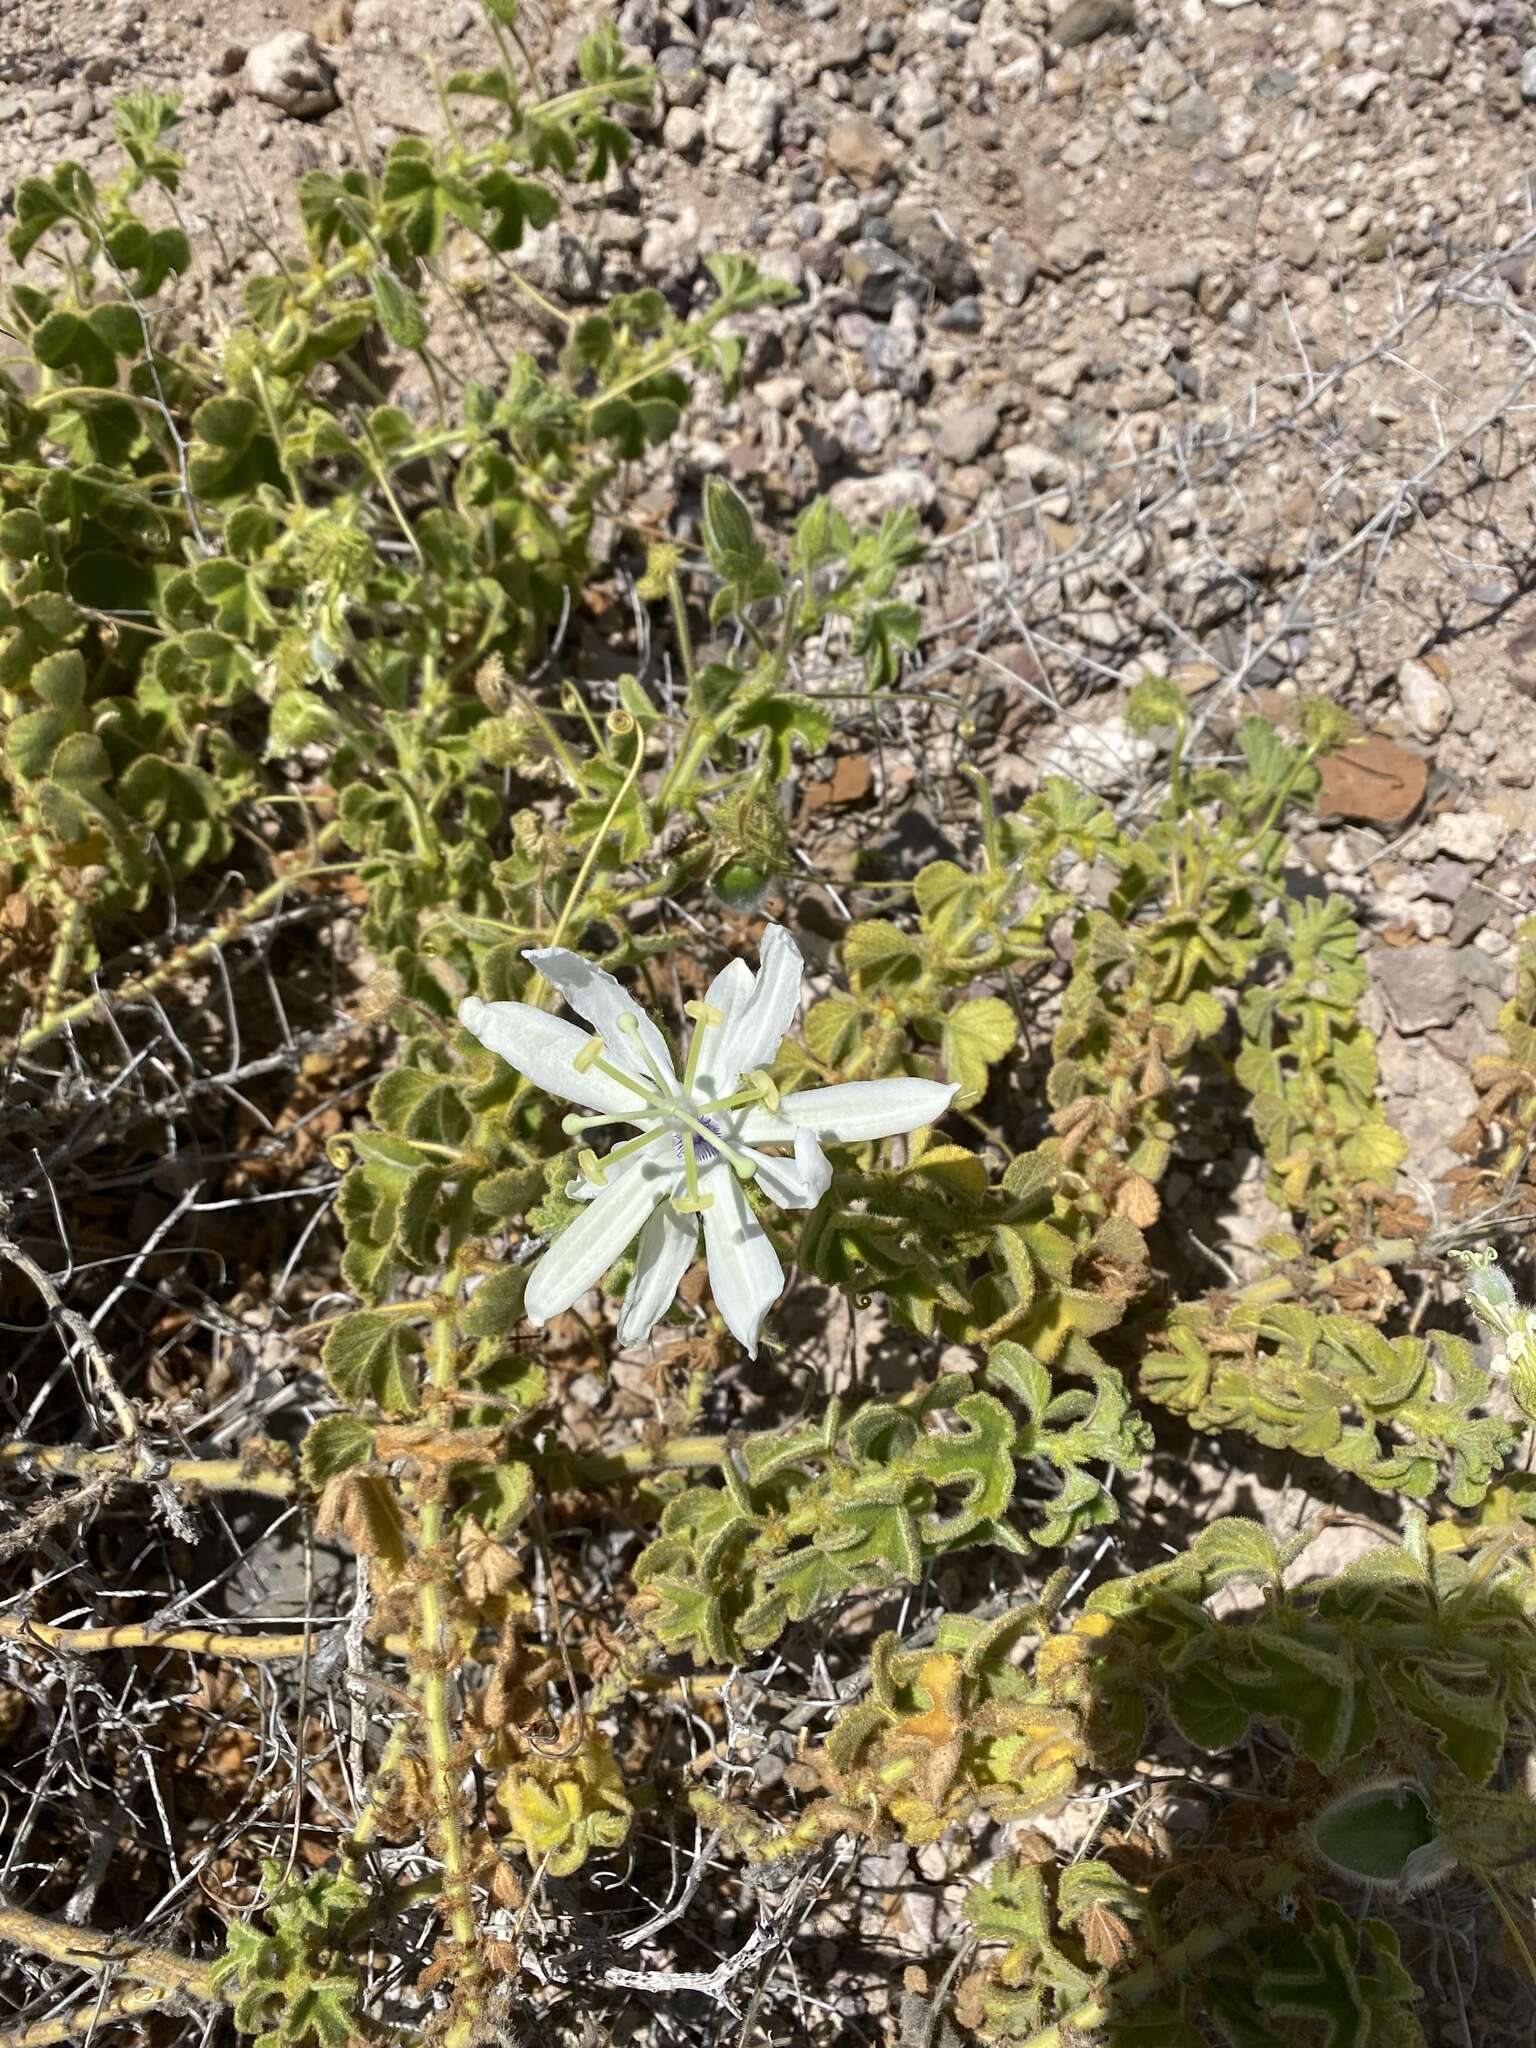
x,y
697,1139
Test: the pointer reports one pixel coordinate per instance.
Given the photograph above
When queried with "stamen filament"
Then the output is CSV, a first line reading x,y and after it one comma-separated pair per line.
x,y
742,1099
630,1026
630,1081
630,1145
595,1169
757,1091
574,1125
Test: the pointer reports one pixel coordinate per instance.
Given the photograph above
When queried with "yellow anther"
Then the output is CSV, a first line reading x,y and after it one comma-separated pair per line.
x,y
703,1013
589,1056
591,1167
763,1086
692,1205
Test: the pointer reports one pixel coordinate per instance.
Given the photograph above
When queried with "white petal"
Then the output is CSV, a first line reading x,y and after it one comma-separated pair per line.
x,y
662,1257
585,1249
852,1112
583,1190
757,1126
753,1033
594,994
745,1276
544,1049
729,993
730,988
797,1183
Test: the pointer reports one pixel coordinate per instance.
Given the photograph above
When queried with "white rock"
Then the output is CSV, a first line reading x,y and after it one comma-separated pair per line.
x,y
1162,77
781,394
1101,757
866,499
1031,463
683,130
918,106
1528,75
290,71
730,43
1330,31
841,220
1472,836
743,118
1358,87
1426,702
1061,377
670,251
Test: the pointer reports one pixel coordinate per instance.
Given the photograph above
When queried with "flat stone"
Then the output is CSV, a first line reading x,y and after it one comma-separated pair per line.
x,y
1013,275
1474,910
1060,377
1425,986
1086,20
1298,245
683,130
1429,1097
867,499
862,151
963,317
744,119
964,435
1102,757
1472,836
1359,88
1193,116
1372,780
1073,247
1428,51
878,277
1446,880
943,260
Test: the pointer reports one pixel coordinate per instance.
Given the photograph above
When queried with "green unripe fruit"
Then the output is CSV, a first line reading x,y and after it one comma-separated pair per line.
x,y
740,885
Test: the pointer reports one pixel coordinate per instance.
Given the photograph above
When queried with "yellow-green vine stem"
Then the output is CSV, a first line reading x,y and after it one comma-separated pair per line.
x,y
84,1949
134,1464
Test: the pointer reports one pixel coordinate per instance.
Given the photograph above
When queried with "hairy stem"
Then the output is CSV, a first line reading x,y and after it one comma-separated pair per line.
x,y
90,2014
85,1949
136,1465
436,1706
201,1642
1128,1994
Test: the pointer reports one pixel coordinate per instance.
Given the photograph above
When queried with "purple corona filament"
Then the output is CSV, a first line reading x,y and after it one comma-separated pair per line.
x,y
704,1155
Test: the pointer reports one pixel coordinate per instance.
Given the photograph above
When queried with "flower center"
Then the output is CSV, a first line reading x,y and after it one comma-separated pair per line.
x,y
677,1109
703,1152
